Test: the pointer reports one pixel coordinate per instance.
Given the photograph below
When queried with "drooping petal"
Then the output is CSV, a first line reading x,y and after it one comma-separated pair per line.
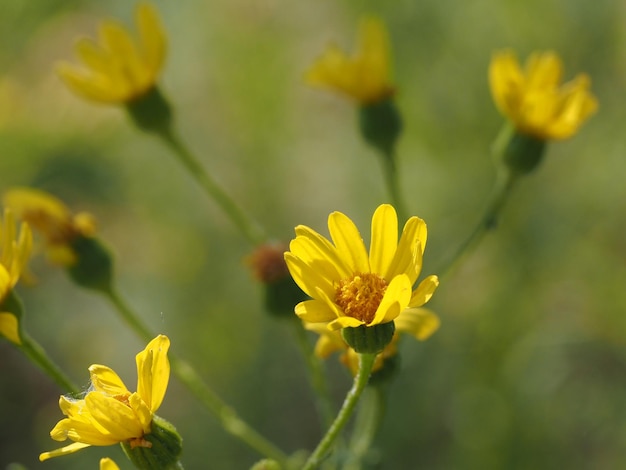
x,y
419,322
142,411
424,291
384,241
348,241
70,449
153,372
395,300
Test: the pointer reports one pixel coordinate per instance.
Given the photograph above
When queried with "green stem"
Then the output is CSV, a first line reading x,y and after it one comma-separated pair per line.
x,y
366,362
316,375
190,378
502,190
37,355
393,185
249,228
369,416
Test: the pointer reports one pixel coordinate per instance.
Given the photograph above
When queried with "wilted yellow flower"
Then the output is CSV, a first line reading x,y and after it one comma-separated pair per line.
x,y
364,76
14,253
110,414
119,68
534,99
350,288
48,215
108,464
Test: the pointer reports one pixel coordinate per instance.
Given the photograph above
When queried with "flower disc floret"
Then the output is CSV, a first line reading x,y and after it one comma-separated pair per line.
x,y
350,287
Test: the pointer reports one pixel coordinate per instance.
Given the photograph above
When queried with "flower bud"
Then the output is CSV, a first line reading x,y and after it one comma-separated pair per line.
x,y
369,339
161,449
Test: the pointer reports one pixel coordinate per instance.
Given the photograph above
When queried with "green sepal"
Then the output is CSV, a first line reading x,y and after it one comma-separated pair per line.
x,y
151,112
167,445
369,339
520,153
93,268
281,296
381,125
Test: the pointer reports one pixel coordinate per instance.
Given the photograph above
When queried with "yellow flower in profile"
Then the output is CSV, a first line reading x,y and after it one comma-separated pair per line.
x,y
119,68
110,414
534,99
108,464
365,76
350,287
14,254
48,215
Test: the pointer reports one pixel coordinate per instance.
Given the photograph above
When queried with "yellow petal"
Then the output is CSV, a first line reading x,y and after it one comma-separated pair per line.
x,y
314,311
6,284
315,246
348,241
9,327
543,70
316,256
153,372
307,277
152,36
408,257
142,412
106,380
424,291
344,322
396,298
96,58
70,449
419,322
99,89
108,464
384,241
116,417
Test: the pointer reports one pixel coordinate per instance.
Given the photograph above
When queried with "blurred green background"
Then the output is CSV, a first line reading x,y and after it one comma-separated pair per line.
x,y
529,367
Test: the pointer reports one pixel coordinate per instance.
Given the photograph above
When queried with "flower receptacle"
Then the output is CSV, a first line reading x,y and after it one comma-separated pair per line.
x,y
369,339
162,451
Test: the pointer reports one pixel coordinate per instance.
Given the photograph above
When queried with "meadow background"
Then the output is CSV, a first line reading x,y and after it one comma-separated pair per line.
x,y
528,369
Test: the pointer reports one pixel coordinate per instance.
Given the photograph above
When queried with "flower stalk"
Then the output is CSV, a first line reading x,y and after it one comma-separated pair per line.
x,y
366,362
188,376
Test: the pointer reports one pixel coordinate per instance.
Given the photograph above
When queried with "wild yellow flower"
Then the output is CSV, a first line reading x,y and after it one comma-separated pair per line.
x,y
108,464
14,253
119,68
110,414
533,98
365,76
48,215
350,288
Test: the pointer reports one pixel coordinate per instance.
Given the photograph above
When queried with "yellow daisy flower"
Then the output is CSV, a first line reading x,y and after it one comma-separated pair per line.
x,y
365,76
108,464
119,68
111,414
14,254
533,98
53,219
350,287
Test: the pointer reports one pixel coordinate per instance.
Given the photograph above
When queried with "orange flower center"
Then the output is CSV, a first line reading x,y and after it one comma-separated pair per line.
x,y
360,296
